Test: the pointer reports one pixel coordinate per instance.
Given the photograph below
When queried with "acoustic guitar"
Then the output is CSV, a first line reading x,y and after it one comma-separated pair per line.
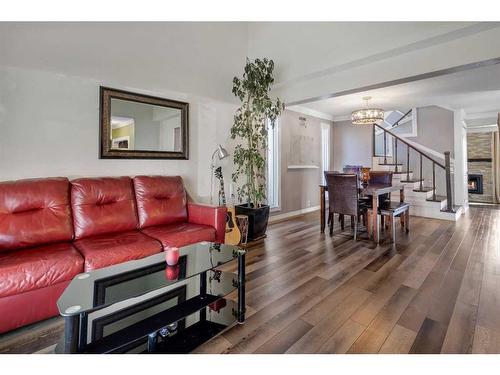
x,y
233,235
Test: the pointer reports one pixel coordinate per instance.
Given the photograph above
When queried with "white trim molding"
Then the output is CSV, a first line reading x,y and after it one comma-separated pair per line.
x,y
291,214
310,112
303,167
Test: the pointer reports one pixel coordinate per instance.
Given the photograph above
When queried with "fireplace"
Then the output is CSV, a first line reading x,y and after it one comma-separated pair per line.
x,y
475,184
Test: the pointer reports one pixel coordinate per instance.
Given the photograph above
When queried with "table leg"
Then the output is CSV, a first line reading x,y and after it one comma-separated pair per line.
x,y
152,342
82,335
203,293
368,223
376,229
402,195
407,220
241,289
71,330
322,207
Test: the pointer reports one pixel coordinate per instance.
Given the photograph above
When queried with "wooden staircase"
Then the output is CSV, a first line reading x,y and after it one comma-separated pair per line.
x,y
423,199
424,202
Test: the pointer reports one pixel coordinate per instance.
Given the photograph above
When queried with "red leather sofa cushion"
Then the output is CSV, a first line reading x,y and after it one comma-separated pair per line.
x,y
209,215
108,249
181,234
160,200
34,212
102,205
35,268
21,309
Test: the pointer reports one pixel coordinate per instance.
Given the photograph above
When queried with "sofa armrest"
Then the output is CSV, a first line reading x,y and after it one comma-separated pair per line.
x,y
209,215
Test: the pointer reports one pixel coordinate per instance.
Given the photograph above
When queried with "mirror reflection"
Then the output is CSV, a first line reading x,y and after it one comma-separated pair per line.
x,y
145,127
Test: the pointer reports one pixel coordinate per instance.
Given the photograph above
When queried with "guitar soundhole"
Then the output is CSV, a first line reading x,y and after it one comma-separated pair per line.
x,y
230,222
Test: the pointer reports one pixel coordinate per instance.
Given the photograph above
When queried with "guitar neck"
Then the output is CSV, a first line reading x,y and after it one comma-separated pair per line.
x,y
222,193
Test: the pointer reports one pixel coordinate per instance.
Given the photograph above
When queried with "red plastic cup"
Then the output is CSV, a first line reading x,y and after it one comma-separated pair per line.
x,y
172,255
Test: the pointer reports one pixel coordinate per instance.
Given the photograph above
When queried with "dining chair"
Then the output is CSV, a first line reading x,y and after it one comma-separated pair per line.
x,y
382,177
392,210
353,169
343,198
330,214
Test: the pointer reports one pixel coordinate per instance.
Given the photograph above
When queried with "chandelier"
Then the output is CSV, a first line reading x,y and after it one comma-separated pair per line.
x,y
367,116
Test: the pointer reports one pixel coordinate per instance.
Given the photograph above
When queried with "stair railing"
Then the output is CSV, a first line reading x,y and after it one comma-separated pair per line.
x,y
446,167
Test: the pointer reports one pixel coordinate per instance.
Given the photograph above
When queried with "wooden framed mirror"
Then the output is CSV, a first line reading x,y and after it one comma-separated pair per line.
x,y
137,126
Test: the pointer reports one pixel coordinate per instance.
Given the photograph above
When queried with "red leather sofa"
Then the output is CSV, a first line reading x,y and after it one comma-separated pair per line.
x,y
53,229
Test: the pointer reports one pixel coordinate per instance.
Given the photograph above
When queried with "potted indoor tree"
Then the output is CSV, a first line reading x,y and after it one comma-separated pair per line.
x,y
250,128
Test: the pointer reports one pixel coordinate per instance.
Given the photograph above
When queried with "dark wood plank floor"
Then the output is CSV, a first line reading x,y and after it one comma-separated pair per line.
x,y
437,290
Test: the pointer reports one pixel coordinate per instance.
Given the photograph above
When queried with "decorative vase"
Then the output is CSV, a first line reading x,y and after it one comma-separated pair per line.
x,y
172,272
172,255
365,175
217,305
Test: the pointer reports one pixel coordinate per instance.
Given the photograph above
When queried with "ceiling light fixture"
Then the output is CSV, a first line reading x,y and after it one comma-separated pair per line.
x,y
367,116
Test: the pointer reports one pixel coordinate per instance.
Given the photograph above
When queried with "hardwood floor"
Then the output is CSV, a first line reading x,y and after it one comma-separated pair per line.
x,y
437,290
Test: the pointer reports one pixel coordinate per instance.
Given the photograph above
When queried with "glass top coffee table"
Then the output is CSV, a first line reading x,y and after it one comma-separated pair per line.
x,y
146,305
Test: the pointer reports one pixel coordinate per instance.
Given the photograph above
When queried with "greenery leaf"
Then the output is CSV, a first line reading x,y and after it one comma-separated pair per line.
x,y
250,126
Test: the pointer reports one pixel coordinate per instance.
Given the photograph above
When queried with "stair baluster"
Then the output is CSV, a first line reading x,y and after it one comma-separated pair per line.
x,y
374,144
421,174
433,181
449,196
396,155
385,147
408,163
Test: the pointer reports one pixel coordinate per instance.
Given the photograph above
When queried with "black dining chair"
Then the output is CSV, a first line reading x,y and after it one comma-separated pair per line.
x,y
343,198
392,210
382,177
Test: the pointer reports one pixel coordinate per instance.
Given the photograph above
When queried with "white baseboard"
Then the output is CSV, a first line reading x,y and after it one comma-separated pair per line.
x,y
288,215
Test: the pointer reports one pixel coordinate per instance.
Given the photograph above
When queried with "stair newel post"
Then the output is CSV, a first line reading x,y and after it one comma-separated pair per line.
x,y
385,147
421,174
407,163
396,154
449,196
373,141
433,181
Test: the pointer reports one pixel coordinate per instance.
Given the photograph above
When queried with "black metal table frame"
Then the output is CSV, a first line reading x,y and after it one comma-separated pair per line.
x,y
75,326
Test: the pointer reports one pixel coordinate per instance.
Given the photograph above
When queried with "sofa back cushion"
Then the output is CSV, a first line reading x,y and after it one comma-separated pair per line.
x,y
160,200
34,212
102,205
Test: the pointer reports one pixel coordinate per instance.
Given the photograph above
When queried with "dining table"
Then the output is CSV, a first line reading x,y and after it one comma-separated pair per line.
x,y
373,190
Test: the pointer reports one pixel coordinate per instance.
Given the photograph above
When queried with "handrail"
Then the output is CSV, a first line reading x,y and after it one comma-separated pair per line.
x,y
401,118
410,146
446,167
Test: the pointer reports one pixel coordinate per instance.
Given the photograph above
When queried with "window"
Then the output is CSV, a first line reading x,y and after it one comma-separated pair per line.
x,y
273,168
325,150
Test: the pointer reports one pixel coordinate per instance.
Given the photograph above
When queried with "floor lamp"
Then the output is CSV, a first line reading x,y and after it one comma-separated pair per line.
x,y
221,153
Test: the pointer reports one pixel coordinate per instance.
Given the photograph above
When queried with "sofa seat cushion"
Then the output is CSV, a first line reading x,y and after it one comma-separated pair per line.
x,y
39,267
181,234
108,249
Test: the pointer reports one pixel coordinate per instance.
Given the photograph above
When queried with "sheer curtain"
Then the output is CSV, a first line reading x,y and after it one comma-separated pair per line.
x,y
495,156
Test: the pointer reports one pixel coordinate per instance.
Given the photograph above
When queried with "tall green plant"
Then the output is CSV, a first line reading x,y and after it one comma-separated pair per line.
x,y
250,126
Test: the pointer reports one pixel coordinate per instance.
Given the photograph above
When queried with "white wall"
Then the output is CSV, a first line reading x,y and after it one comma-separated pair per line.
x,y
352,145
50,75
188,57
317,59
49,101
461,196
49,126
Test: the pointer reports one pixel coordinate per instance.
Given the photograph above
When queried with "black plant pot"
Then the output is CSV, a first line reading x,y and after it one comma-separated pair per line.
x,y
257,219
